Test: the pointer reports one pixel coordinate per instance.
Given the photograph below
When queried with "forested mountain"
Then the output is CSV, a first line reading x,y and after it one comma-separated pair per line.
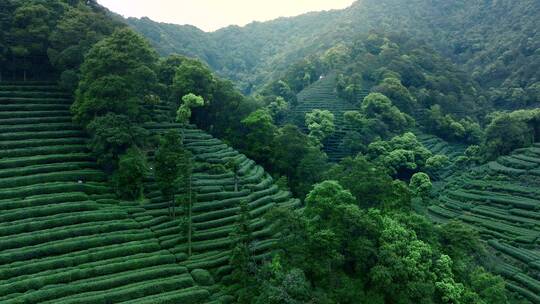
x,y
378,157
496,41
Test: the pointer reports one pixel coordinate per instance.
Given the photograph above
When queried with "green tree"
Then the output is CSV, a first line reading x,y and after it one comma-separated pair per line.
x,y
489,287
75,33
117,73
402,155
193,76
398,93
371,186
448,290
241,259
183,114
259,134
320,124
378,106
31,27
278,108
403,273
421,185
128,179
509,131
171,160
111,136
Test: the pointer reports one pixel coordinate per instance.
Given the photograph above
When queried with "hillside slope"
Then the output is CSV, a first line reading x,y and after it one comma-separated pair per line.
x,y
502,201
497,41
65,238
322,95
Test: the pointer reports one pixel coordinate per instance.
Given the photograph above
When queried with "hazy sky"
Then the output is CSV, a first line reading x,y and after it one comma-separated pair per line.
x,y
210,15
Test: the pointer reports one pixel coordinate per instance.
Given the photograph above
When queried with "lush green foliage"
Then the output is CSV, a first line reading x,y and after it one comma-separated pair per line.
x,y
111,136
44,38
509,131
340,253
320,124
496,44
128,178
355,238
171,164
118,72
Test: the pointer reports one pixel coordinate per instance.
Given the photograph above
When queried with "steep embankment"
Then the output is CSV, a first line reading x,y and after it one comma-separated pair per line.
x,y
502,201
64,238
322,95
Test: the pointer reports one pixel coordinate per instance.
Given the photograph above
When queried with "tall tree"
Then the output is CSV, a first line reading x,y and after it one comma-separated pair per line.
x,y
183,114
132,168
117,73
170,167
76,32
241,256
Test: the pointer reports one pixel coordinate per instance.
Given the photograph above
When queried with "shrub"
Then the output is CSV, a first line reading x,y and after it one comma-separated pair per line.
x,y
202,277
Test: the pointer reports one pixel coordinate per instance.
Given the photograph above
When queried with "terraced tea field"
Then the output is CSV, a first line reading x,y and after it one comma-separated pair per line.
x,y
439,146
502,201
322,95
217,207
65,238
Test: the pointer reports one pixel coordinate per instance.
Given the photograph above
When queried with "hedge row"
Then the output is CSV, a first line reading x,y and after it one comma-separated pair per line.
x,y
57,187
83,175
502,215
445,213
41,135
194,295
47,168
84,258
43,150
496,198
74,244
535,298
517,253
33,114
498,168
66,232
30,86
60,220
14,92
43,211
36,120
527,158
512,162
45,199
39,127
101,278
36,106
524,234
92,269
33,100
151,283
30,143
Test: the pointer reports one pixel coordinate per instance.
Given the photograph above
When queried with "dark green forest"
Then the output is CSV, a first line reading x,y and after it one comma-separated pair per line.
x,y
384,153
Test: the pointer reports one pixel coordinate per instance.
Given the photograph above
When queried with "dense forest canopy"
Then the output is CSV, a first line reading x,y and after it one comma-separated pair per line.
x,y
388,153
495,41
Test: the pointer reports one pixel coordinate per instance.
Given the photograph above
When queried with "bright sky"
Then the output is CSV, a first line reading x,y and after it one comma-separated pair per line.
x,y
211,15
